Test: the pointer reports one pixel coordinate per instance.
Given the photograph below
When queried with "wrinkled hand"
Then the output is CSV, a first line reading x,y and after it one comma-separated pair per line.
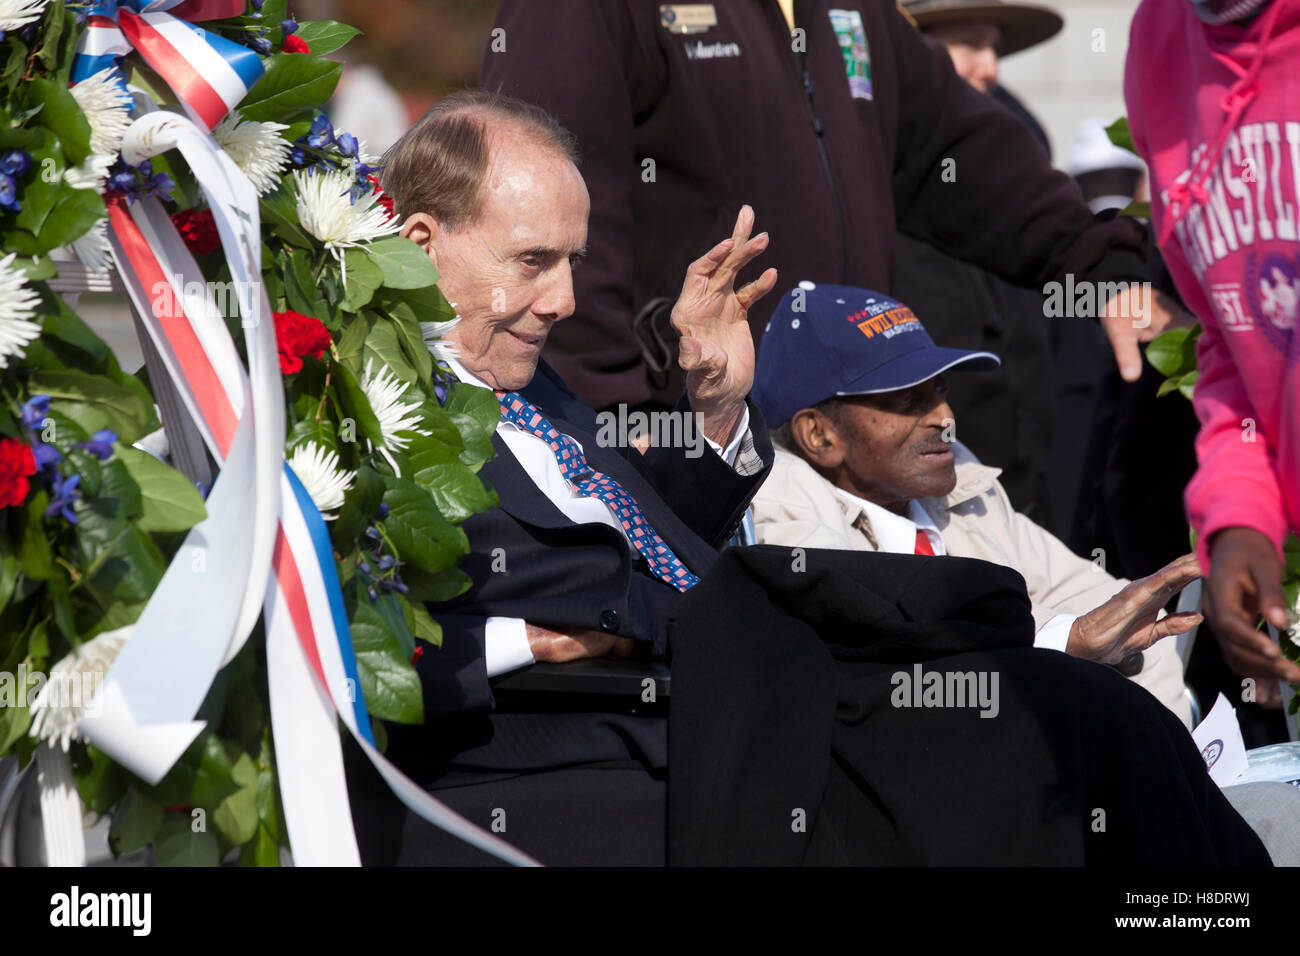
x,y
717,349
556,647
1139,315
1245,584
1127,622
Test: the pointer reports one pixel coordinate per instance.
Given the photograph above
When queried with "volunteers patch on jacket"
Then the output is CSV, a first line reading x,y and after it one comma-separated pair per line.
x,y
687,17
848,28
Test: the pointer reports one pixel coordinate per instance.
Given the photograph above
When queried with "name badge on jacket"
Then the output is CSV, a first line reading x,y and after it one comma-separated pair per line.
x,y
687,17
848,28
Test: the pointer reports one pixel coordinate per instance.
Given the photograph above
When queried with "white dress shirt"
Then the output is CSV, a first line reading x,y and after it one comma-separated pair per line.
x,y
896,534
506,638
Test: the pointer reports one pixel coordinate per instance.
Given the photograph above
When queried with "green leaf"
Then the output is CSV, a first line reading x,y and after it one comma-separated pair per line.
x,y
393,608
94,402
63,117
354,403
136,821
168,501
351,344
34,552
1139,210
236,816
390,684
1119,134
405,265
438,588
15,720
48,54
456,489
363,277
426,628
382,344
214,779
74,212
39,268
325,36
280,212
1187,384
178,845
359,506
101,784
293,84
407,327
1173,352
476,412
422,536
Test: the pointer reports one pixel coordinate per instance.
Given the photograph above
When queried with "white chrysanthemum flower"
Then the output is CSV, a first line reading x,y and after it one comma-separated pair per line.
x,y
19,13
73,682
318,470
92,174
385,391
326,210
92,249
434,332
257,148
108,110
17,307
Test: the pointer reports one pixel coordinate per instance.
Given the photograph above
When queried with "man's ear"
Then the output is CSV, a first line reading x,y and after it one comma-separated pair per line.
x,y
424,231
816,439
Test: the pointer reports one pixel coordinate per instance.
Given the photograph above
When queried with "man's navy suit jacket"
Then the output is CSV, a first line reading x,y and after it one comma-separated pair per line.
x,y
565,575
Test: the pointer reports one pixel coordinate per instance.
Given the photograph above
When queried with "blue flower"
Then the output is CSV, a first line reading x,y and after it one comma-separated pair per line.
x,y
257,5
347,144
288,26
382,511
298,156
9,193
101,444
160,186
65,494
33,411
261,44
47,456
15,162
321,134
122,182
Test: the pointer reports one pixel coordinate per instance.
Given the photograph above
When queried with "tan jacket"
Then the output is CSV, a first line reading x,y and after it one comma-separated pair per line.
x,y
796,507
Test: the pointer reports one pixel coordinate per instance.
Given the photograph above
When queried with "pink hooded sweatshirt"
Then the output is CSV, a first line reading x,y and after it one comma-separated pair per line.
x,y
1215,112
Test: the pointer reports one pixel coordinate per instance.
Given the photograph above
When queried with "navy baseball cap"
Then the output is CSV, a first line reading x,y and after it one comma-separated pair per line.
x,y
827,340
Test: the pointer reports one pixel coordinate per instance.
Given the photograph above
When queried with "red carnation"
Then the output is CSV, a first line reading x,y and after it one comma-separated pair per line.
x,y
198,229
293,44
297,335
16,466
419,652
384,200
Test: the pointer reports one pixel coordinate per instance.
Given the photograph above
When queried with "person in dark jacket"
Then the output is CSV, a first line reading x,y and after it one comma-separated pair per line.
x,y
1008,415
838,124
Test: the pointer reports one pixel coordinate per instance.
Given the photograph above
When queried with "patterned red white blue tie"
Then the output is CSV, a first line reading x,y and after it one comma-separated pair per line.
x,y
588,482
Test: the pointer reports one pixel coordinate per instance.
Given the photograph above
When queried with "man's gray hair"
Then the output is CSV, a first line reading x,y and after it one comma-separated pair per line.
x,y
438,165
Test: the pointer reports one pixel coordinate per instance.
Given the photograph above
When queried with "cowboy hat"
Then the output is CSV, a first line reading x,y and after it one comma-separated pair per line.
x,y
1022,25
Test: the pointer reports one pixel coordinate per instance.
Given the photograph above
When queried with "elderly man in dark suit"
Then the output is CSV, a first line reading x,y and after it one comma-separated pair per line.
x,y
597,543
597,549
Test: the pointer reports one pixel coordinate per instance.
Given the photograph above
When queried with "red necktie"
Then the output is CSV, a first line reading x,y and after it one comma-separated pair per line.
x,y
923,543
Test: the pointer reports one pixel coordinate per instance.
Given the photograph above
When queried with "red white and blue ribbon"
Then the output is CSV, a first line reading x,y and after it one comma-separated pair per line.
x,y
264,541
208,73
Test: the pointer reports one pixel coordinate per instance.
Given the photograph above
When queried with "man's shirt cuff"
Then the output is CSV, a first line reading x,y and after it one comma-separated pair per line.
x,y
505,645
1055,634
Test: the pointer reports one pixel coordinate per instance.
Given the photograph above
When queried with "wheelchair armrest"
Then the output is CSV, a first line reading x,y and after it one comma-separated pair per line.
x,y
592,676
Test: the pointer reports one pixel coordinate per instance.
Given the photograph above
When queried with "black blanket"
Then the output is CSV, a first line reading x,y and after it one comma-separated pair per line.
x,y
790,742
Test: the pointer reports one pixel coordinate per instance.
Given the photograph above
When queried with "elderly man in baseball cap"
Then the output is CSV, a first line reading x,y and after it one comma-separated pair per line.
x,y
870,462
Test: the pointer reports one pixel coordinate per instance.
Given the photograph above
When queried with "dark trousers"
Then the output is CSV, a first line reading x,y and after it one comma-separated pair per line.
x,y
602,815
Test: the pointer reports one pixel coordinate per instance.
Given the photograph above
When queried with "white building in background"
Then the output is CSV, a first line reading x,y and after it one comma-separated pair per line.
x,y
1077,74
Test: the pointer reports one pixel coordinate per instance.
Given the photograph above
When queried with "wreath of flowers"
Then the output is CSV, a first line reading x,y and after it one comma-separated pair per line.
x,y
387,445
